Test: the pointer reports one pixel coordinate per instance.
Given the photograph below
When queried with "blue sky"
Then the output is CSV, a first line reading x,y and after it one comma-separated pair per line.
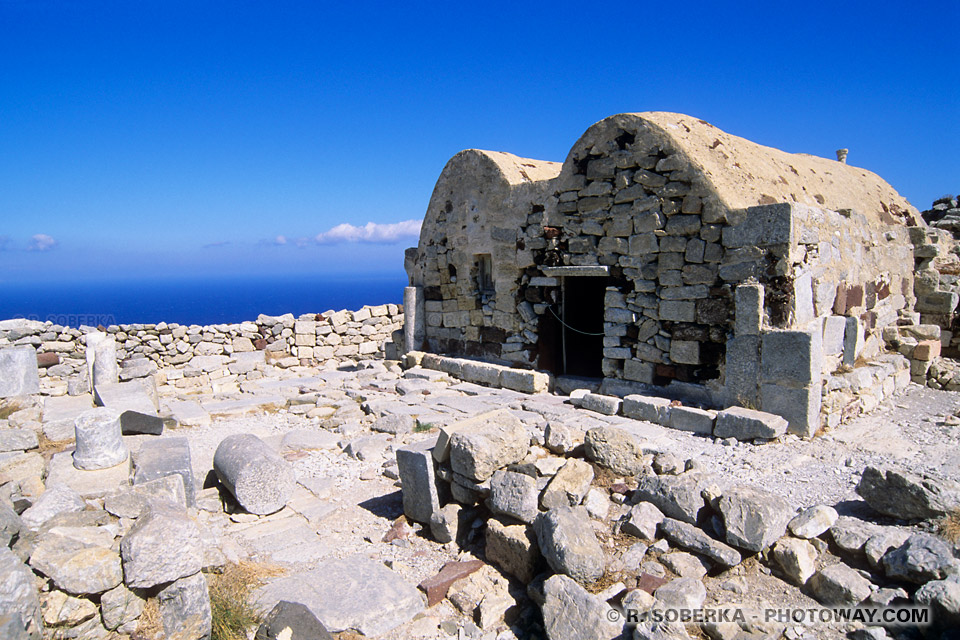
x,y
208,138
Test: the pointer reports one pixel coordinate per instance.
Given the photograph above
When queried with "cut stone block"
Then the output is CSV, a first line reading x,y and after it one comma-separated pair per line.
x,y
99,440
651,409
185,609
691,419
513,548
127,396
255,474
800,407
481,445
19,374
525,381
165,457
742,373
422,490
607,405
791,358
747,424
748,306
163,545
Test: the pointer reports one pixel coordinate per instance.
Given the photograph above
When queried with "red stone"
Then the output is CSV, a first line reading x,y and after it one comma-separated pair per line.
x,y
260,344
650,583
437,586
926,350
398,531
48,359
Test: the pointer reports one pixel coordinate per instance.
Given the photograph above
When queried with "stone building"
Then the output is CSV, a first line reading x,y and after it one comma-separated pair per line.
x,y
665,256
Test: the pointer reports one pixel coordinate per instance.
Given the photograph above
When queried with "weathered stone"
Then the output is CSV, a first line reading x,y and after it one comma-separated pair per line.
x,y
570,612
60,609
607,405
78,562
615,449
643,521
131,502
797,558
813,521
907,495
119,606
137,423
163,545
791,358
513,548
748,305
944,597
569,544
18,596
99,440
923,557
422,490
682,593
569,485
676,496
255,474
690,537
18,440
52,502
754,519
851,534
487,443
369,597
561,438
19,375
291,621
165,457
747,424
838,584
887,539
395,424
514,494
10,523
651,409
691,419
445,523
185,609
799,406
685,565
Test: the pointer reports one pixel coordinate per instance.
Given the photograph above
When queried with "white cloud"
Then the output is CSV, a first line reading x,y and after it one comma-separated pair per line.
x,y
280,240
370,232
42,242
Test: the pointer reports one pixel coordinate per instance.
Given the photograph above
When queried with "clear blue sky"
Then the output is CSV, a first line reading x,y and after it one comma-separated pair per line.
x,y
170,138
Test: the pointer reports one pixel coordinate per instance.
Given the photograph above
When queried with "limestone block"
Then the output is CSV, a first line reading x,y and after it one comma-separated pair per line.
x,y
513,548
685,352
691,419
742,372
105,369
164,457
525,381
834,328
800,407
423,491
569,544
761,226
18,598
853,339
481,373
607,405
255,474
651,409
638,370
677,310
19,374
791,358
514,494
185,609
481,445
747,424
163,545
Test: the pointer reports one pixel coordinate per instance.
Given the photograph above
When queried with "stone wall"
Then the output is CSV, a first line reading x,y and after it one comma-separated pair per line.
x,y
313,339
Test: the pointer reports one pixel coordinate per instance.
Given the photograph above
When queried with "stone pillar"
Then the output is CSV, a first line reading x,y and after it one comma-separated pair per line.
x,y
413,319
99,441
255,474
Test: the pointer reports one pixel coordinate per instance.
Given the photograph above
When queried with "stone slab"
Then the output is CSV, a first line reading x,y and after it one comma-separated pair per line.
x,y
19,374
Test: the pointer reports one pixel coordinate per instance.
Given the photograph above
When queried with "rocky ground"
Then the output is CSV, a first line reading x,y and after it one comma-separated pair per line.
x,y
340,429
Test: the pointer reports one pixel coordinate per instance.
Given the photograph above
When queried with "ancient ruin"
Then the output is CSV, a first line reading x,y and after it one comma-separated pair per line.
x,y
678,372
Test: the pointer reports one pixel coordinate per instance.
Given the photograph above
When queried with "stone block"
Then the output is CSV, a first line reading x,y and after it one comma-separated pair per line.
x,y
651,409
742,372
607,405
685,352
99,440
853,339
513,548
678,310
291,621
515,495
691,419
525,381
568,542
481,373
791,358
803,311
834,328
926,350
638,370
185,609
490,441
762,226
747,424
800,407
165,457
163,545
19,374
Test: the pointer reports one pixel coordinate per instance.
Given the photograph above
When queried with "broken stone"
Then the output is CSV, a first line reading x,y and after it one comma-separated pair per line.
x,y
923,557
19,375
747,424
754,519
394,423
685,564
131,502
52,502
690,537
514,494
291,621
18,596
570,612
119,606
422,489
682,593
78,564
513,548
908,495
813,521
944,597
569,544
667,464
164,457
163,545
561,438
797,558
569,485
60,609
490,442
10,524
257,476
676,496
445,523
643,520
839,584
185,609
615,449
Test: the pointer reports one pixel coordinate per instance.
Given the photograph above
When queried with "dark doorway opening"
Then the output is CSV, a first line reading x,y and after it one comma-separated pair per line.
x,y
582,319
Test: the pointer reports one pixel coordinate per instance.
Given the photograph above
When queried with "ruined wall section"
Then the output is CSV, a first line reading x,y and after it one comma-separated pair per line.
x,y
478,208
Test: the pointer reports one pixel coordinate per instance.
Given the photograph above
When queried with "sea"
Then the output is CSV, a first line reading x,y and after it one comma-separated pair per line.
x,y
194,300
